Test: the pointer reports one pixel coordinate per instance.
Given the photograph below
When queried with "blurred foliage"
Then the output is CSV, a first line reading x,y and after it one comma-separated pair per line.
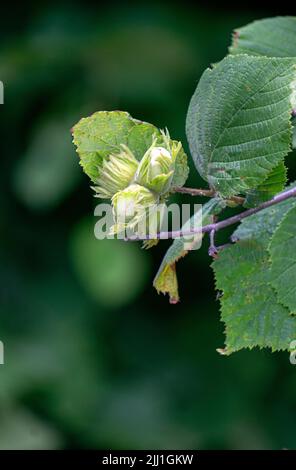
x,y
112,271
93,357
46,173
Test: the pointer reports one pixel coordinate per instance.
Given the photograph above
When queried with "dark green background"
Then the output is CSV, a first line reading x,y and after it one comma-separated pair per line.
x,y
93,356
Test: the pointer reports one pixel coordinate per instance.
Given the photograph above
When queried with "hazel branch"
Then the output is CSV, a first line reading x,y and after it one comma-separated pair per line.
x,y
206,193
216,226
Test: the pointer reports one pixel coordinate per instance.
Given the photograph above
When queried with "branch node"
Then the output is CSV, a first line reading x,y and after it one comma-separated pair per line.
x,y
213,250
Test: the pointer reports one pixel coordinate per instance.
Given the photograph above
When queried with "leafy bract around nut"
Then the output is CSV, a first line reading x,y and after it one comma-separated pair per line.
x,y
132,207
116,136
157,166
116,173
132,163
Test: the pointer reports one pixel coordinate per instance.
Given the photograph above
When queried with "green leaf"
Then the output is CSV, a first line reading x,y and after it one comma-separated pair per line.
x,y
283,258
103,133
263,225
140,138
98,135
272,37
249,305
273,184
238,123
165,280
